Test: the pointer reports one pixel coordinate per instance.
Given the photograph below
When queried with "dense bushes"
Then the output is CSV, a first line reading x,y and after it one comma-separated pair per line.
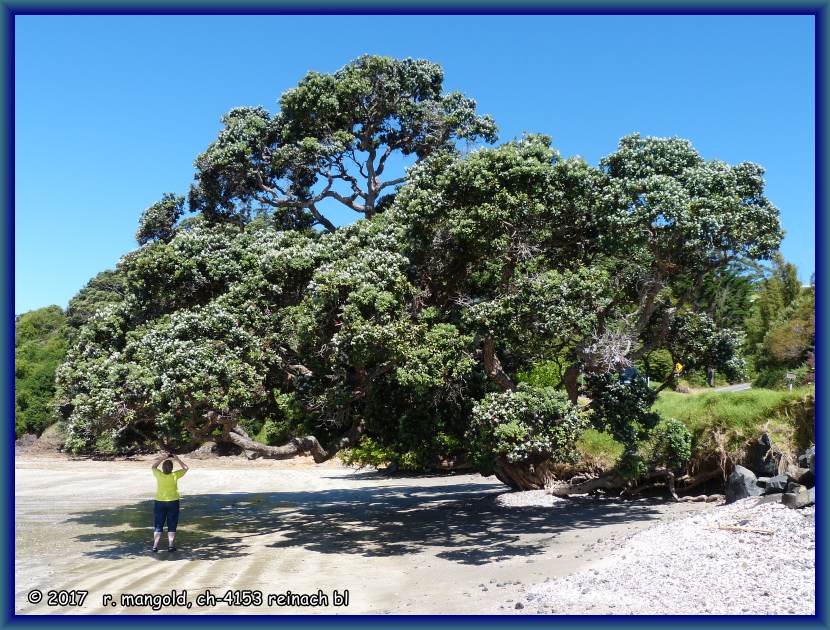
x,y
39,347
622,409
528,425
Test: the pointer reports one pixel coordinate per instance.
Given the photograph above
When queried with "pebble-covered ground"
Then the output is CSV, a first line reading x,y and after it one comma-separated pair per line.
x,y
693,566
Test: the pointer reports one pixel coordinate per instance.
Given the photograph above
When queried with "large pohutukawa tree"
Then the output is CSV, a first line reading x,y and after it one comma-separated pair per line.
x,y
411,326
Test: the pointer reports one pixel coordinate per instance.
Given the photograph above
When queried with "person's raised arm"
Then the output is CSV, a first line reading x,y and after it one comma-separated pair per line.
x,y
159,459
180,462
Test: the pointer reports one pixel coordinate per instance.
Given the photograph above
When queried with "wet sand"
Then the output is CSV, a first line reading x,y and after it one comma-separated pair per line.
x,y
399,545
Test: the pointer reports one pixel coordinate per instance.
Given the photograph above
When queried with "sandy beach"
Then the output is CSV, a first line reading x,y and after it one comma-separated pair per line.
x,y
399,545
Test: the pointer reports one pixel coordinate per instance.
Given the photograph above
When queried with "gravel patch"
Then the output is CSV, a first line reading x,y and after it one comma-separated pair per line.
x,y
528,498
691,566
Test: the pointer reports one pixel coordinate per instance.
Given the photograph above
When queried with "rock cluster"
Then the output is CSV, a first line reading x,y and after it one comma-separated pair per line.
x,y
795,487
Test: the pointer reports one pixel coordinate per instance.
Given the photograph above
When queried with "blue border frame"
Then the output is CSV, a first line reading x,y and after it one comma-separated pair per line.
x,y
818,9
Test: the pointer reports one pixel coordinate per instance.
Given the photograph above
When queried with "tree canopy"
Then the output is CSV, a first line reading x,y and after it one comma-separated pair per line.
x,y
332,139
410,326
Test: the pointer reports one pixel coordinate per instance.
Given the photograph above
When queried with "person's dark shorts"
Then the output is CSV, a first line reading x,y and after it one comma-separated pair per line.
x,y
165,511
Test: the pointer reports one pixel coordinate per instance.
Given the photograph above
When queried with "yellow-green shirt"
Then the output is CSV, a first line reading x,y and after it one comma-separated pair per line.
x,y
167,489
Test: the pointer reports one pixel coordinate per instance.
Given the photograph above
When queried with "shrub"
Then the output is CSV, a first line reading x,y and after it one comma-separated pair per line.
x,y
542,374
726,420
527,424
632,465
623,410
367,453
657,365
771,378
39,347
671,444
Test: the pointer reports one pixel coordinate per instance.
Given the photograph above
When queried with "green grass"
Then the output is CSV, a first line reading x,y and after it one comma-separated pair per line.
x,y
721,423
729,419
598,449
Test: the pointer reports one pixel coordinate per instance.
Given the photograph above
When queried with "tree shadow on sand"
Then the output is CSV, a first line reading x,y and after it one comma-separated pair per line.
x,y
462,520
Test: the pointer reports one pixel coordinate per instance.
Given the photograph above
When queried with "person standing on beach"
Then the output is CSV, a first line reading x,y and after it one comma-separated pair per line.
x,y
166,507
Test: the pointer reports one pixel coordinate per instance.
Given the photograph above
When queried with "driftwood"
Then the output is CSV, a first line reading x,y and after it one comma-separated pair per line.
x,y
754,530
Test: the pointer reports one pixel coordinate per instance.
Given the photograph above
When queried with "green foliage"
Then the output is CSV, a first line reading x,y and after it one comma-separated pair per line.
x,y
623,410
729,419
471,272
331,129
106,288
158,222
658,364
367,453
780,323
525,425
286,422
697,342
542,374
39,347
671,444
698,378
793,333
632,465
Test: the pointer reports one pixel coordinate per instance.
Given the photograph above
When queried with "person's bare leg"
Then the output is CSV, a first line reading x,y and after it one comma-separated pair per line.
x,y
156,539
171,539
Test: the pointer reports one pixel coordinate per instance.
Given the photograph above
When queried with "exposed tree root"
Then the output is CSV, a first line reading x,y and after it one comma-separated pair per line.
x,y
296,446
659,478
687,482
610,481
525,475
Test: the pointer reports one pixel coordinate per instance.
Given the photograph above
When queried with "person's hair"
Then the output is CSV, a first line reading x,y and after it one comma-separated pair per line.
x,y
167,467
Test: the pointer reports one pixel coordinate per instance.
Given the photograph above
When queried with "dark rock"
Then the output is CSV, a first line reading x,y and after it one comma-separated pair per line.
x,y
808,459
796,472
741,484
808,479
762,481
777,484
800,497
761,459
519,605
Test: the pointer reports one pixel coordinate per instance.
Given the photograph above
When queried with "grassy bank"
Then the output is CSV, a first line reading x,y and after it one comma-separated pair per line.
x,y
726,420
721,423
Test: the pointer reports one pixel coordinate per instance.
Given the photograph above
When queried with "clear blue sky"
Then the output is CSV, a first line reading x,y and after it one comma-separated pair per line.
x,y
111,111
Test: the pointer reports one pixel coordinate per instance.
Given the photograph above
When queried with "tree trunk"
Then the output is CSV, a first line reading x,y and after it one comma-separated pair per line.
x,y
296,446
492,365
570,382
524,475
